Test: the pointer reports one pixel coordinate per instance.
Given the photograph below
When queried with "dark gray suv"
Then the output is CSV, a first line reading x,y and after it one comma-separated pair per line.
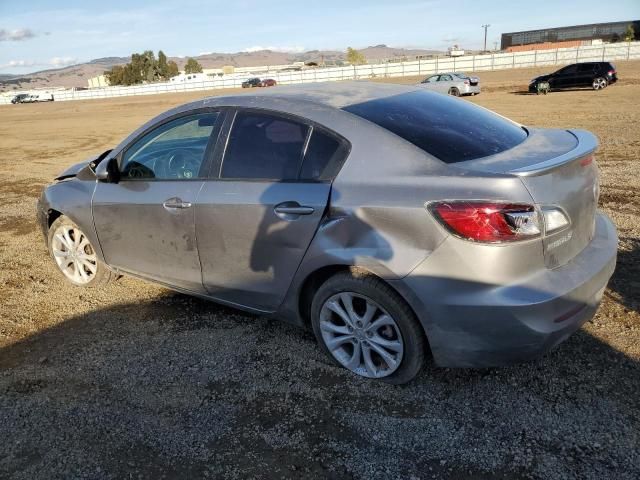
x,y
393,221
596,75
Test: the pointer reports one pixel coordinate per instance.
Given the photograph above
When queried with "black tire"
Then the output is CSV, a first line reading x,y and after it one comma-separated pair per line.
x,y
413,337
103,274
454,92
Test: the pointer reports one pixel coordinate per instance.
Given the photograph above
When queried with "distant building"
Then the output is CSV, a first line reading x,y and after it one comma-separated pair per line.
x,y
98,82
607,32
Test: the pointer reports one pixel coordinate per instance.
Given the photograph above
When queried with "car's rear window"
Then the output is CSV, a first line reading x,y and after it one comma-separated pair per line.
x,y
450,129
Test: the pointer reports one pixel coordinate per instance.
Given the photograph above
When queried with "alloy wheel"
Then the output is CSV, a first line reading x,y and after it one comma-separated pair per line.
x,y
74,255
361,335
599,83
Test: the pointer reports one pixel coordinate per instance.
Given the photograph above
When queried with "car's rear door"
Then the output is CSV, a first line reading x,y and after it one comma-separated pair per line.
x,y
145,222
257,216
585,74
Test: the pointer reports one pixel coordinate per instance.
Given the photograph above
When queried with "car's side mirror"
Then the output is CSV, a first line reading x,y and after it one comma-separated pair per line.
x,y
108,171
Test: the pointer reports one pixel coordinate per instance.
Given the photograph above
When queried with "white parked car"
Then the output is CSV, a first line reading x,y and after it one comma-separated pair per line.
x,y
455,84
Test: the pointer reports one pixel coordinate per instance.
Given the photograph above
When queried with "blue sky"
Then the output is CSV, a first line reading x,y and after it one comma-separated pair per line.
x,y
35,35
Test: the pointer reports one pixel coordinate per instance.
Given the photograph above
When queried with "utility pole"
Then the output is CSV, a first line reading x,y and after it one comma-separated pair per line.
x,y
485,36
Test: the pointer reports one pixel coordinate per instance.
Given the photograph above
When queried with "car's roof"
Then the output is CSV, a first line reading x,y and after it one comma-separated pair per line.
x,y
332,94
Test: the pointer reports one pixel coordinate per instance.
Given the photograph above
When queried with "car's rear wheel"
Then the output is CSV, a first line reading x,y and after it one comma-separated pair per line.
x,y
367,328
454,91
600,83
74,255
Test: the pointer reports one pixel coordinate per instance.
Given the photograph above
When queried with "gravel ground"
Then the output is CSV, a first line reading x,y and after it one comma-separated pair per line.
x,y
134,381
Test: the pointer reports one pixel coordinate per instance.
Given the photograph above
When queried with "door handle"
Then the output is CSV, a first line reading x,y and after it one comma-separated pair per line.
x,y
175,203
290,210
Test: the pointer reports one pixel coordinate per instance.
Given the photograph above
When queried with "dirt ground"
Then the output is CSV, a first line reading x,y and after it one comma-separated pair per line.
x,y
136,381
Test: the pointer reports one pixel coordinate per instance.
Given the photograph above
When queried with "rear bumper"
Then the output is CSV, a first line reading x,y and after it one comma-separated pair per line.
x,y
492,325
471,89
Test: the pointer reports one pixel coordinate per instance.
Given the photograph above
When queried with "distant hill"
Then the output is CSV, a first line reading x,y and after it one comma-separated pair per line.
x,y
78,75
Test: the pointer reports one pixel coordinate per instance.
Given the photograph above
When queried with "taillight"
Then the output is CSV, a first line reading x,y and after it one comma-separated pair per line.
x,y
490,222
611,73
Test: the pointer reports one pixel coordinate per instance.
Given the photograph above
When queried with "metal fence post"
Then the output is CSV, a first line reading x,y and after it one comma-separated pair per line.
x,y
493,56
535,58
628,50
436,65
555,62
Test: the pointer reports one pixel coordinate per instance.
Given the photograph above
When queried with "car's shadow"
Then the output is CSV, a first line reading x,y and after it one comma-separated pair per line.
x,y
183,388
552,92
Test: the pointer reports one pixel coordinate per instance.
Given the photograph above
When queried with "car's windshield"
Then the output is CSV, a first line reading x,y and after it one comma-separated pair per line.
x,y
450,129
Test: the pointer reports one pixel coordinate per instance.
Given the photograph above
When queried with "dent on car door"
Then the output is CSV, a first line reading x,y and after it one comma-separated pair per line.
x,y
145,222
256,221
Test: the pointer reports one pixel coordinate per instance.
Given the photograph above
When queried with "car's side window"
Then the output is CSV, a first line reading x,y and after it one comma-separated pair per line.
x,y
569,69
586,67
431,79
445,78
324,157
264,147
172,151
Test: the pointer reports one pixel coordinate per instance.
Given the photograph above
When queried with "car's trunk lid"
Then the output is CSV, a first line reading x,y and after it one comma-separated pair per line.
x,y
558,169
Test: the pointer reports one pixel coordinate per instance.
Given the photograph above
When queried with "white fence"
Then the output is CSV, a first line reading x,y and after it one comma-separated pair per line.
x,y
468,63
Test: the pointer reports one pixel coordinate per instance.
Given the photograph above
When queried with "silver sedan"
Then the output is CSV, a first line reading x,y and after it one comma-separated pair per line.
x,y
455,84
394,222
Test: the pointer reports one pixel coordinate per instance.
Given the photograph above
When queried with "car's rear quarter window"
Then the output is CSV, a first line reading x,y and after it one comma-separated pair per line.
x,y
452,130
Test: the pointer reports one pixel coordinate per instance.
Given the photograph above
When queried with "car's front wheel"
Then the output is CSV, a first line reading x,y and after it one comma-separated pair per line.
x,y
367,328
74,255
599,83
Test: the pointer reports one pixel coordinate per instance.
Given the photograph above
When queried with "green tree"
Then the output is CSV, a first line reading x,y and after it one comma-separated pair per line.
x,y
172,69
115,76
629,34
163,66
354,57
192,66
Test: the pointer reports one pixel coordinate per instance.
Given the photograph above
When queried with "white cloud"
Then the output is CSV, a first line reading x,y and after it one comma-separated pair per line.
x,y
204,53
62,61
16,35
18,63
257,48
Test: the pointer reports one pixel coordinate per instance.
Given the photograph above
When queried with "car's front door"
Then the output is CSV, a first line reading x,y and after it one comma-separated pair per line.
x,y
145,222
565,77
256,219
445,83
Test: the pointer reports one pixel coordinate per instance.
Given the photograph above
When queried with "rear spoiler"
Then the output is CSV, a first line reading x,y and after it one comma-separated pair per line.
x,y
543,150
587,143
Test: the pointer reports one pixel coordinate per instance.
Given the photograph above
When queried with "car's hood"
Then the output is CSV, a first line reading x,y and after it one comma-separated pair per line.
x,y
73,170
541,78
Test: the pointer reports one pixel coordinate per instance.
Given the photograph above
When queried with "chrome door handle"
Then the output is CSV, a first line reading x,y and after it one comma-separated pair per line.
x,y
175,203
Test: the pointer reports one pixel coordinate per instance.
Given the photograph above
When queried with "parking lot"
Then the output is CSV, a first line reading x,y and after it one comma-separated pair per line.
x,y
135,381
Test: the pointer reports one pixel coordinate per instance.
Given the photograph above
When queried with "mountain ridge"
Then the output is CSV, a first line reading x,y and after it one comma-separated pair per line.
x,y
77,75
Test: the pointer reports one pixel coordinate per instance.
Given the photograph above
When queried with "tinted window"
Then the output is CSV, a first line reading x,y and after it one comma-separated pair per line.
x,y
445,78
431,79
174,150
263,146
586,67
450,129
568,70
324,157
